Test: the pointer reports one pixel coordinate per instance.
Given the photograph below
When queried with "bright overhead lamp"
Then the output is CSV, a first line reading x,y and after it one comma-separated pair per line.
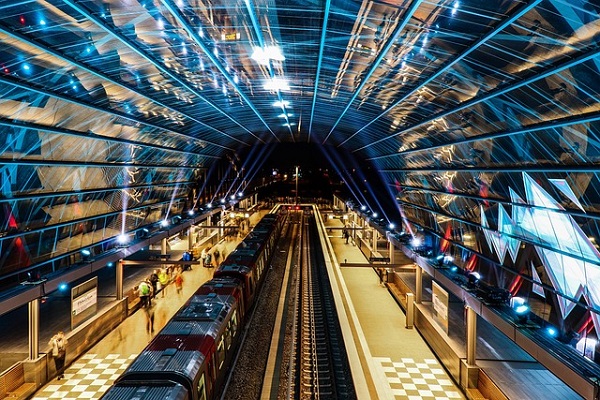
x,y
277,84
281,104
123,239
264,55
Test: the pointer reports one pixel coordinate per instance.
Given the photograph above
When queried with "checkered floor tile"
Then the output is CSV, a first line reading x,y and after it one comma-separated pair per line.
x,y
418,379
88,378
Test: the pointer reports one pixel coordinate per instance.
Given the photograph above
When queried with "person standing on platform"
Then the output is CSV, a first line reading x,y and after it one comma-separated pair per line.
x,y
178,281
380,273
149,318
154,283
59,352
144,293
163,280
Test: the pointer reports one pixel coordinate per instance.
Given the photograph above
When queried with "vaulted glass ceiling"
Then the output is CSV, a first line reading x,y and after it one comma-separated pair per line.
x,y
117,105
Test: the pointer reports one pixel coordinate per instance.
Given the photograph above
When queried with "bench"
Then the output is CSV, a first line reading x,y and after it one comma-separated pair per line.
x,y
14,383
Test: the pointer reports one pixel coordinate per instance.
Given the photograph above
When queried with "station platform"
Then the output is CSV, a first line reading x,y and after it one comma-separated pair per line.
x,y
398,363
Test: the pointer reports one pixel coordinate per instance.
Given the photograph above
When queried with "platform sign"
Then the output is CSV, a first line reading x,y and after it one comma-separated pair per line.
x,y
84,302
440,306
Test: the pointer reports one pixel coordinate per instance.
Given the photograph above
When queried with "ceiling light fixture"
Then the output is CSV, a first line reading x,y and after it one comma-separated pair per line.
x,y
276,84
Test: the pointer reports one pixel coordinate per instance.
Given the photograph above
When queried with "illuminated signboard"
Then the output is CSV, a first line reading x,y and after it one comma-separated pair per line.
x,y
84,301
230,37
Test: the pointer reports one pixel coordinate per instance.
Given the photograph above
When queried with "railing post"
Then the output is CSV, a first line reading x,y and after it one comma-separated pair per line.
x,y
410,310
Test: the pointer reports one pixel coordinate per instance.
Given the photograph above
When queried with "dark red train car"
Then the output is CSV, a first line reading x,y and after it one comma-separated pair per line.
x,y
189,356
250,258
192,351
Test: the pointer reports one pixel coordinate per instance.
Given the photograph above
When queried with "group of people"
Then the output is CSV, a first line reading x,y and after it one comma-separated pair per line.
x,y
207,258
158,282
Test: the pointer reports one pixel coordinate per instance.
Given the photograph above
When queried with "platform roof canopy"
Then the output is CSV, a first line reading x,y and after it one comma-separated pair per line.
x,y
118,104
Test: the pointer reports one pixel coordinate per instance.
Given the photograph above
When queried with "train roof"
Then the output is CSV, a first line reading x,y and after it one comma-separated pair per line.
x,y
206,307
184,362
160,391
233,267
221,286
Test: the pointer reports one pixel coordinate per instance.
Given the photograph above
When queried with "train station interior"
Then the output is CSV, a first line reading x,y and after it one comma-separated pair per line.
x,y
448,148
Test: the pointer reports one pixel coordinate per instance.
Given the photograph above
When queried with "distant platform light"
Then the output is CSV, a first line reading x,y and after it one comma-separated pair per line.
x,y
123,239
232,197
392,225
209,205
522,309
164,223
473,278
416,242
454,268
86,252
375,215
551,331
191,212
110,264
223,201
63,286
240,194
521,313
363,208
516,301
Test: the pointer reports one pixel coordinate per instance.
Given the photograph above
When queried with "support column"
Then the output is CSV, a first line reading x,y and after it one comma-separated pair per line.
x,y
119,283
471,335
191,237
374,243
34,329
419,285
163,246
392,250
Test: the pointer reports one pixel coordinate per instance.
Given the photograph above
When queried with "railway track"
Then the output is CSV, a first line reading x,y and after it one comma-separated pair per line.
x,y
309,352
322,366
